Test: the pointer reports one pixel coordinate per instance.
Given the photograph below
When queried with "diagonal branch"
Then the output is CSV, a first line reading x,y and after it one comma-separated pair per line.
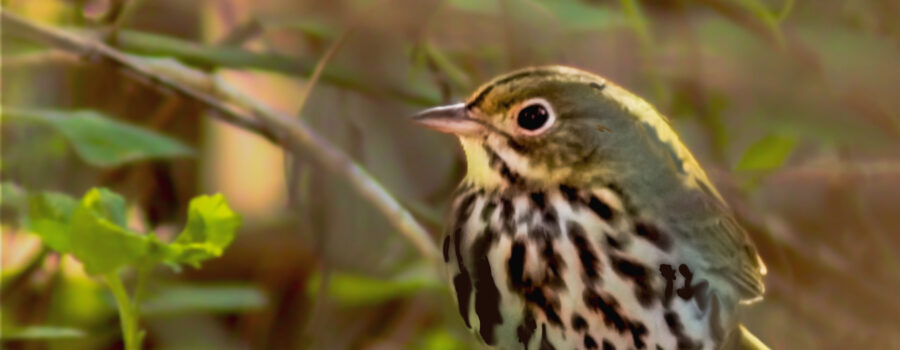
x,y
234,108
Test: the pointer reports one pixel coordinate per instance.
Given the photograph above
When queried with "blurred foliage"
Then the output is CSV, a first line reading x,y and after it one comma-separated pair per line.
x,y
95,232
348,289
102,141
203,298
42,333
790,106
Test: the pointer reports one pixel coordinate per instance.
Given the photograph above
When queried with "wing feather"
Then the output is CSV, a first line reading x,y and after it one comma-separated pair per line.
x,y
728,254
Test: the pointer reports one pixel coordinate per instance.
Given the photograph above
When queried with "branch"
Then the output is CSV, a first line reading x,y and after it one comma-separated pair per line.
x,y
149,44
252,116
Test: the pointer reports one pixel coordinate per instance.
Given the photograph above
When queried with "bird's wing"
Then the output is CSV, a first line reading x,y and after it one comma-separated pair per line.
x,y
728,254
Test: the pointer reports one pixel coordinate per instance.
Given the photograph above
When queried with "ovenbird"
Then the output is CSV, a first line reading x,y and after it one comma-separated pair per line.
x,y
583,222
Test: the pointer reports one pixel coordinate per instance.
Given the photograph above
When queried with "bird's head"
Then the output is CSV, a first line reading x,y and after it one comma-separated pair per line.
x,y
554,125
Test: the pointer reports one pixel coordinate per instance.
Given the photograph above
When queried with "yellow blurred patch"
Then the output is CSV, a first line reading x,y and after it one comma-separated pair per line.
x,y
246,168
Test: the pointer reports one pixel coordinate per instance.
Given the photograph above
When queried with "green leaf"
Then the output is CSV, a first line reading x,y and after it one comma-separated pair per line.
x,y
98,237
102,141
204,299
351,289
108,204
768,153
210,228
42,332
49,216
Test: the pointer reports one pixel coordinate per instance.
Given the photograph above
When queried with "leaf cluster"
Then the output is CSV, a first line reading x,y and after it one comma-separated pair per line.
x,y
94,230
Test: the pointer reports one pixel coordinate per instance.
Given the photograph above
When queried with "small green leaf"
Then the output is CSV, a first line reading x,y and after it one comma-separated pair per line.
x,y
42,333
210,228
768,153
103,141
49,215
205,299
97,240
351,289
108,204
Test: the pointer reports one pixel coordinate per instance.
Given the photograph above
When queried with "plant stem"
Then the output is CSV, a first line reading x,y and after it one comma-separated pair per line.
x,y
128,316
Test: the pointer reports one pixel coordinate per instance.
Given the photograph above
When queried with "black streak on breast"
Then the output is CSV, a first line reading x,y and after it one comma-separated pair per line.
x,y
516,265
545,343
578,323
585,251
613,243
537,297
607,307
590,343
538,199
462,282
638,331
526,329
555,263
677,329
487,296
607,345
506,213
653,235
463,286
488,210
638,274
570,194
446,249
600,208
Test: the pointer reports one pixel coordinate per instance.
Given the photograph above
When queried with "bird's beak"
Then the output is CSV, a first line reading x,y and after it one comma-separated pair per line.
x,y
451,119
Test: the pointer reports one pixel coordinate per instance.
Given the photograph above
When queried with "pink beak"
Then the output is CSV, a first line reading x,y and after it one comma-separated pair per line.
x,y
451,119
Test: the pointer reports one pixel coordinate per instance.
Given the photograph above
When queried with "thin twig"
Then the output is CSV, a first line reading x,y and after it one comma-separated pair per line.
x,y
123,16
320,67
215,93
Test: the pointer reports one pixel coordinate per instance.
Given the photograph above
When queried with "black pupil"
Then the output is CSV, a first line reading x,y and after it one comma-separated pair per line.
x,y
533,117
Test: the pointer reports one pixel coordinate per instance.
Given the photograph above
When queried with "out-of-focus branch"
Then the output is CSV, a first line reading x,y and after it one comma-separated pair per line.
x,y
251,115
149,44
92,50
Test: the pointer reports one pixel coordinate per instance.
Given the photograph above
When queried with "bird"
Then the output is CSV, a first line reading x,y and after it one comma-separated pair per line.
x,y
583,222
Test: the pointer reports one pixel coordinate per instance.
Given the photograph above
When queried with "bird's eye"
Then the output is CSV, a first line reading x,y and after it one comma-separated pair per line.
x,y
534,116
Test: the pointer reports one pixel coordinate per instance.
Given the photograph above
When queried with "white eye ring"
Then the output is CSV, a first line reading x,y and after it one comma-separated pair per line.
x,y
534,116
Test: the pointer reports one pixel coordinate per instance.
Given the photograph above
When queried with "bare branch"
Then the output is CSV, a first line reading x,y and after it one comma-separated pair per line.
x,y
255,117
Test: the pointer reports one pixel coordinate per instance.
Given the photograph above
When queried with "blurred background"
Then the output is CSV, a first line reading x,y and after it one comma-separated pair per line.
x,y
791,108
